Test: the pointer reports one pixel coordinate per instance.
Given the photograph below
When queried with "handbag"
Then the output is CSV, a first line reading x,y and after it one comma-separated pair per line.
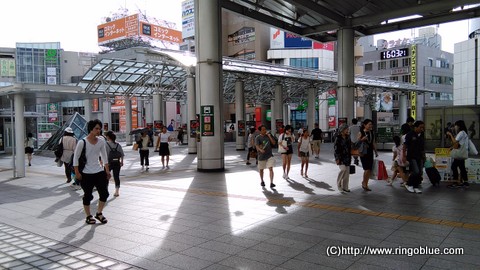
x,y
135,147
282,144
352,169
459,153
169,149
253,153
354,152
362,148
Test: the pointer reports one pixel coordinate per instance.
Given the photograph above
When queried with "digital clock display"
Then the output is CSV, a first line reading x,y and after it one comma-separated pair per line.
x,y
394,53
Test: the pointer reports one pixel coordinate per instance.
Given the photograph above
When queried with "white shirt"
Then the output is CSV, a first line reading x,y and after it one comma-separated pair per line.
x,y
304,144
164,137
92,152
462,139
354,130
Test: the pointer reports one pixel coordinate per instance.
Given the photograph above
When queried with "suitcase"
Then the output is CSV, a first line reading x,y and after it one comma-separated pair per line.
x,y
433,175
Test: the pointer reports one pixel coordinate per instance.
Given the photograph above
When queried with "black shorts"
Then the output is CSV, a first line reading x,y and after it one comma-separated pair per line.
x,y
28,150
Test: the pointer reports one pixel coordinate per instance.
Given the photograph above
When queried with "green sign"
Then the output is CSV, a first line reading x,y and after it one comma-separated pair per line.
x,y
331,101
269,115
207,120
51,56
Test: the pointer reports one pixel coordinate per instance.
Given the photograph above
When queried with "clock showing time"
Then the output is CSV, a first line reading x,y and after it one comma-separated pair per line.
x,y
394,53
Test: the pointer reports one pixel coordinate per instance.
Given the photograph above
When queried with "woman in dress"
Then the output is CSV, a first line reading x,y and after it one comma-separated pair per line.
x,y
367,136
29,145
343,157
162,144
285,141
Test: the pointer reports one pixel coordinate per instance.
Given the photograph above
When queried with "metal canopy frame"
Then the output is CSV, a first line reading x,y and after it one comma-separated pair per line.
x,y
320,19
165,72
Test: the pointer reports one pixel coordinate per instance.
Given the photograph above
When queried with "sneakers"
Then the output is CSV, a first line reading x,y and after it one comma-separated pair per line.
x,y
417,190
454,185
346,190
284,176
146,168
410,189
389,181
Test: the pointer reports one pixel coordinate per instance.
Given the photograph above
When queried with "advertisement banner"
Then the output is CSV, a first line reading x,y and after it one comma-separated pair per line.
x,y
193,128
294,41
118,29
277,38
331,121
241,128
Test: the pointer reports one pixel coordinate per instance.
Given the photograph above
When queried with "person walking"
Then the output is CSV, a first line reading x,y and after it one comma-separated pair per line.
x,y
461,140
144,150
398,167
316,140
343,157
69,143
304,150
115,159
354,129
29,145
285,141
367,137
263,143
93,175
251,146
414,153
163,146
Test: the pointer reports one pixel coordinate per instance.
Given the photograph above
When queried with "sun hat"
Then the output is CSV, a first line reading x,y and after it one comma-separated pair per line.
x,y
69,130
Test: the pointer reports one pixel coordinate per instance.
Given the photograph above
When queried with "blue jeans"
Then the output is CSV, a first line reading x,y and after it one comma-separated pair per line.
x,y
416,171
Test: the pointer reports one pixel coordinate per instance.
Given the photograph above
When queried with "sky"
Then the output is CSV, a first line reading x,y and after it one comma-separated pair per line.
x,y
74,23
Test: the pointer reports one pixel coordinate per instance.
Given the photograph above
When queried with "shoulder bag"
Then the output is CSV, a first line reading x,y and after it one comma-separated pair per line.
x,y
282,144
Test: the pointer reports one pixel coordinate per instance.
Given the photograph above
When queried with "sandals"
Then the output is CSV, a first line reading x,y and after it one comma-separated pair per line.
x,y
101,218
90,220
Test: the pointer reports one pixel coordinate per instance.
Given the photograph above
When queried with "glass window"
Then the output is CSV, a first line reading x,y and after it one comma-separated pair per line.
x,y
369,67
394,63
304,62
382,65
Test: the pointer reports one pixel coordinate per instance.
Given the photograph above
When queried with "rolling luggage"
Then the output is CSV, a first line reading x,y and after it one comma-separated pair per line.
x,y
433,175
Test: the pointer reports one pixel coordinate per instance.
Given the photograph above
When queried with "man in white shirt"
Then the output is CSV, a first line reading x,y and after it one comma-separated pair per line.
x,y
93,174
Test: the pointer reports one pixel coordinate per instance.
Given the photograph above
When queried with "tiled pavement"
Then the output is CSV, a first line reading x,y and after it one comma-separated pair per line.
x,y
183,219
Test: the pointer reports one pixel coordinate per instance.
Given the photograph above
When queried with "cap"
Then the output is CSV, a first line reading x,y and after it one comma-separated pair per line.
x,y
342,128
69,130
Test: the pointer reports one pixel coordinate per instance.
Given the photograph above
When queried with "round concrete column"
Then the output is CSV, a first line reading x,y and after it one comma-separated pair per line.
x,y
346,75
191,111
402,110
128,119
277,112
107,113
87,106
19,104
239,112
208,23
312,96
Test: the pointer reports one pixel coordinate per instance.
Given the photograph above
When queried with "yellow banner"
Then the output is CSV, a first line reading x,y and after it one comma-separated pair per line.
x,y
442,152
413,95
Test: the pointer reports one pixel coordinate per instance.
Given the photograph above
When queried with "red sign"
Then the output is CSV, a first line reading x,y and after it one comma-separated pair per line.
x,y
331,121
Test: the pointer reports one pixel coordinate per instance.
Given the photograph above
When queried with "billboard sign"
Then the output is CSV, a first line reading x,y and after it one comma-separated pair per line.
x,y
7,67
118,29
188,18
160,33
294,41
277,39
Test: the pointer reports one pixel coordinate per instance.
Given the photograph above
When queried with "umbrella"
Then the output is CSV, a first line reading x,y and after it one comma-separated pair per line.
x,y
138,130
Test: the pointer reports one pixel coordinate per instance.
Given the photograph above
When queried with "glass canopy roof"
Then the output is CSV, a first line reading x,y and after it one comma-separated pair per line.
x,y
165,72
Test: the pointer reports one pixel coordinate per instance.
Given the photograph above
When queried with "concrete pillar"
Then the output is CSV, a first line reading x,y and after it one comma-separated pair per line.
x,y
323,112
209,83
192,112
272,118
239,112
128,119
367,112
156,107
346,75
163,111
277,113
19,104
286,114
312,96
87,104
107,113
402,108
140,116
149,111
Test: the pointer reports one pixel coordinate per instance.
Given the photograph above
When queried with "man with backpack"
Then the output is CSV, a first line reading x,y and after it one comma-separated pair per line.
x,y
115,158
90,172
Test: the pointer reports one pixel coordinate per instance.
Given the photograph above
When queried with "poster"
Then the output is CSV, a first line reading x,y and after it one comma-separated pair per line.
x,y
241,128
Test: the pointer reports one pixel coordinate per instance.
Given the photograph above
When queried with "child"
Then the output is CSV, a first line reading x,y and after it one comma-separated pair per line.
x,y
398,166
304,149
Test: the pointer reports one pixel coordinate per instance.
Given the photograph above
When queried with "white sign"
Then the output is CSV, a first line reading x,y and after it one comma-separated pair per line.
x,y
51,80
277,39
188,19
51,71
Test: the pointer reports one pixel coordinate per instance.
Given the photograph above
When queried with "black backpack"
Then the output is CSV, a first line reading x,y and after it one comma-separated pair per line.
x,y
58,150
114,155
